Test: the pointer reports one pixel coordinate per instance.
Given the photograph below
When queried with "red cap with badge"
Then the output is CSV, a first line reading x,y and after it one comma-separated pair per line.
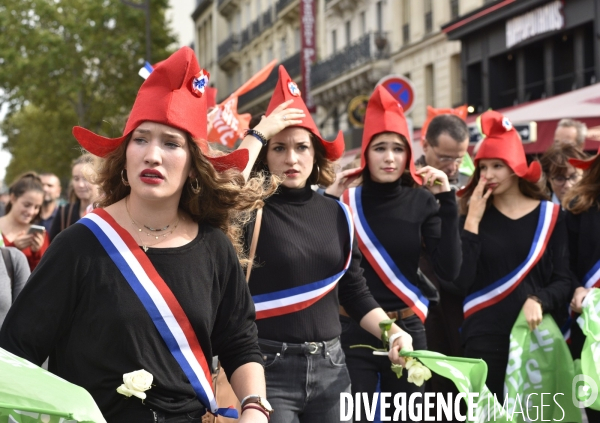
x,y
287,89
502,141
385,114
173,95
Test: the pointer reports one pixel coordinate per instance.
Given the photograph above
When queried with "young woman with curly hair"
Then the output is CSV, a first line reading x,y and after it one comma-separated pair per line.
x,y
150,280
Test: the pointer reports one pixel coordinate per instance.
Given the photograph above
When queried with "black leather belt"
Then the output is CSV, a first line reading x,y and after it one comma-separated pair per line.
x,y
306,348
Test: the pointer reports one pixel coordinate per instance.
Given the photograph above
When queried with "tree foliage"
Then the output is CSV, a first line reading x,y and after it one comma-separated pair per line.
x,y
70,62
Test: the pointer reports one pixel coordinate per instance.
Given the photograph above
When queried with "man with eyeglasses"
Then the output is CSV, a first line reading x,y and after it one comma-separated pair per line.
x,y
445,144
444,147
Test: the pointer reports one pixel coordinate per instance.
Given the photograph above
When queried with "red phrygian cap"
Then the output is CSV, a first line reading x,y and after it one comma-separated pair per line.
x,y
584,164
385,114
502,141
172,95
287,89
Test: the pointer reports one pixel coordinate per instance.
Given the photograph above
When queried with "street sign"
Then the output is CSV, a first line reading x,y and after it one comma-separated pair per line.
x,y
402,89
356,111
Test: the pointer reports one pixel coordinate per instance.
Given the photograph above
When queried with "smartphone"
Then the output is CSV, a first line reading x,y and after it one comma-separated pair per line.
x,y
36,228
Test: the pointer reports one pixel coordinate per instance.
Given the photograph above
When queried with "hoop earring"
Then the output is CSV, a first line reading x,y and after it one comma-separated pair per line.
x,y
125,181
318,175
195,189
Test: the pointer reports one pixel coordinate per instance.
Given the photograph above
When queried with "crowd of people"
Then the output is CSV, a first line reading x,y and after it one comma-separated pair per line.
x,y
169,253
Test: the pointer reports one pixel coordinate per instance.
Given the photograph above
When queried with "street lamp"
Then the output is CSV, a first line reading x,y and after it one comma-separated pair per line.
x,y
145,6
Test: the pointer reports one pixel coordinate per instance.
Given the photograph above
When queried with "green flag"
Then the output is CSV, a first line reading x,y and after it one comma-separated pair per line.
x,y
30,394
539,374
589,321
469,376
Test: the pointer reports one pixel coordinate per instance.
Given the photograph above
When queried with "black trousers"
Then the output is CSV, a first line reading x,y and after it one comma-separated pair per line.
x,y
492,349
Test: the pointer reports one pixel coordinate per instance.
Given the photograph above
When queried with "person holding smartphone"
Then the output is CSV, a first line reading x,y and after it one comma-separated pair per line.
x,y
26,196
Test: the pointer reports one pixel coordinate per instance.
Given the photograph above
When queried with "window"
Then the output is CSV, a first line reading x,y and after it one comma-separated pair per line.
x,y
454,11
379,16
333,41
248,18
428,16
283,49
363,23
455,80
297,39
429,88
348,32
405,21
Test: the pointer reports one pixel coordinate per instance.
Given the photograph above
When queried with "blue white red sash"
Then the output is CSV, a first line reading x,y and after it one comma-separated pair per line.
x,y
295,299
497,291
380,260
160,303
592,278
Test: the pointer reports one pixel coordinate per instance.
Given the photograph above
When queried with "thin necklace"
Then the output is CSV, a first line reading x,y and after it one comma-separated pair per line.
x,y
145,246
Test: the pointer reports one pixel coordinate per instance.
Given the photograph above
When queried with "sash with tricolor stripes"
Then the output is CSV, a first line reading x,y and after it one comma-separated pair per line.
x,y
372,249
295,299
160,303
497,291
592,278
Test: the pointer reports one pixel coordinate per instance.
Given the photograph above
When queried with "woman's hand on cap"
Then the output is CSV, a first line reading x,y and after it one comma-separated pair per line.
x,y
279,119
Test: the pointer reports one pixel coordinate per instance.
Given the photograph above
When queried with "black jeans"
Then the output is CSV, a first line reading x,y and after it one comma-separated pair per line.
x,y
365,368
304,381
493,349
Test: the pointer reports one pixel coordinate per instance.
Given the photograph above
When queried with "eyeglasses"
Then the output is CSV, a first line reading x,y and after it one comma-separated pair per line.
x,y
561,180
446,159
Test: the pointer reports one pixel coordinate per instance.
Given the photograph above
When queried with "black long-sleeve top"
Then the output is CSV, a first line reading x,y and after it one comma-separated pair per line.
x,y
584,241
78,309
304,238
500,247
402,218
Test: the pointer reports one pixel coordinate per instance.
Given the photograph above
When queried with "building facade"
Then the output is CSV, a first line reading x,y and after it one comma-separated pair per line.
x,y
514,52
358,43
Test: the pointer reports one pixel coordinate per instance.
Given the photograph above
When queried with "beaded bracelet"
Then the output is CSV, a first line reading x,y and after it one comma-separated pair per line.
x,y
256,135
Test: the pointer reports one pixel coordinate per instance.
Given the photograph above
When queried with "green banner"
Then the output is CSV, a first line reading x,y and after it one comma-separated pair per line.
x,y
30,394
469,376
540,373
589,321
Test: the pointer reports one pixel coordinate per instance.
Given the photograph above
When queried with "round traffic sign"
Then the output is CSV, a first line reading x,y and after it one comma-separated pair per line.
x,y
402,89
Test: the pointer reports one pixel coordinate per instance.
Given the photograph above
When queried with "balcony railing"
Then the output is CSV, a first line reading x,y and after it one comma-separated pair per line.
x,y
291,64
369,47
230,45
282,4
405,33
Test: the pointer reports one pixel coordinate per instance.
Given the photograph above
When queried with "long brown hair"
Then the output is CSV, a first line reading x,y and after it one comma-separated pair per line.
x,y
585,194
528,189
29,181
225,200
323,173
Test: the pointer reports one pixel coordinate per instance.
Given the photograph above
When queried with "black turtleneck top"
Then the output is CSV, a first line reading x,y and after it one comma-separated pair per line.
x,y
500,247
584,245
304,238
402,218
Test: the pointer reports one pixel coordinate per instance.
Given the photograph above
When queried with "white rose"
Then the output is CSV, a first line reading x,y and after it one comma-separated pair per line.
x,y
417,372
135,383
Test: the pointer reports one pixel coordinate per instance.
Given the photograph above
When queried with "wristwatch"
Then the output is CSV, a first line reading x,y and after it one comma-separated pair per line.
x,y
258,400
